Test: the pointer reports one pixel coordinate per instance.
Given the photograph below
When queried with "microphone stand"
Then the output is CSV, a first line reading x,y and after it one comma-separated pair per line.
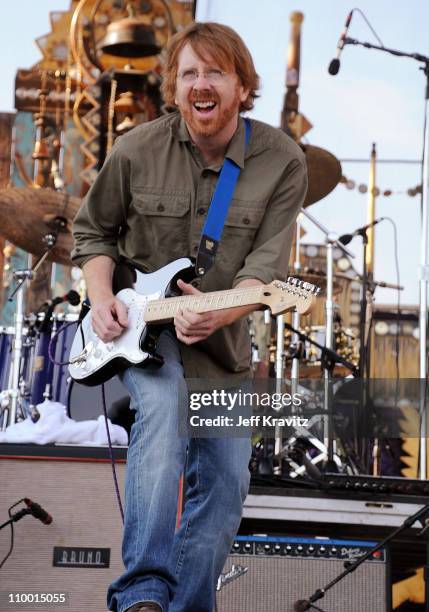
x,y
329,356
424,248
421,515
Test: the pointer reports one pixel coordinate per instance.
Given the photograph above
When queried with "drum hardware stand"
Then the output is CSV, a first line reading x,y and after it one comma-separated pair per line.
x,y
424,246
327,363
329,359
280,354
21,276
295,315
43,327
298,452
328,440
295,350
279,368
331,240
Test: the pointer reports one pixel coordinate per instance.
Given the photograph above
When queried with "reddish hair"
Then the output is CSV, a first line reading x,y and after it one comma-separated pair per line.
x,y
218,41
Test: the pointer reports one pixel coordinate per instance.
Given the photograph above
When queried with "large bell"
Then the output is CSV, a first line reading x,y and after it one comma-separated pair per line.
x,y
129,37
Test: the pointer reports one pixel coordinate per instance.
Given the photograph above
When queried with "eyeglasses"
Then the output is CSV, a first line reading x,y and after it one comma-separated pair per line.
x,y
213,76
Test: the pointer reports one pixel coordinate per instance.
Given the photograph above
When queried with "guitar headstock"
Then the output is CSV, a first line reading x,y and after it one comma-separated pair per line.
x,y
294,293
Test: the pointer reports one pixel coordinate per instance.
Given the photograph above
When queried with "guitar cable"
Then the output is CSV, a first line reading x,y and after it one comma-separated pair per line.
x,y
51,345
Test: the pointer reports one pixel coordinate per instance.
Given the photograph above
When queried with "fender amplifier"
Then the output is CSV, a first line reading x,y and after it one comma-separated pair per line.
x,y
271,574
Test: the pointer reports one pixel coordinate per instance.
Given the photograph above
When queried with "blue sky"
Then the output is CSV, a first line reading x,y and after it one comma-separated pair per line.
x,y
374,98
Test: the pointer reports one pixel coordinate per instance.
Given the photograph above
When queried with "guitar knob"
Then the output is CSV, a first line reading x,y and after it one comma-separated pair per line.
x,y
97,353
110,346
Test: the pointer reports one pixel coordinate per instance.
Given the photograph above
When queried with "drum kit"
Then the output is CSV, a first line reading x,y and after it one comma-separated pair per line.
x,y
34,349
38,377
307,349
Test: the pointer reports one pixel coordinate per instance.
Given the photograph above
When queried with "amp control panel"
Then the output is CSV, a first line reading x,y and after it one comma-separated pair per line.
x,y
315,548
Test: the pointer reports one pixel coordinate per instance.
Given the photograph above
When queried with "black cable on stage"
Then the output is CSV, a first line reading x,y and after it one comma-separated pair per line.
x,y
9,511
53,341
11,542
112,459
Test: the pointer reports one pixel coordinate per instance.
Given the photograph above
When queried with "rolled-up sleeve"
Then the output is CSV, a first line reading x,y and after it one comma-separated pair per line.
x,y
103,211
269,257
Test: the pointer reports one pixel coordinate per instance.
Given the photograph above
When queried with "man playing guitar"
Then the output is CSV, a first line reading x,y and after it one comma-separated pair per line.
x,y
148,206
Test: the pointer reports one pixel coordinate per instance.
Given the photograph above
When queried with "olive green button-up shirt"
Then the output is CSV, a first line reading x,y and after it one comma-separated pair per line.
x,y
149,202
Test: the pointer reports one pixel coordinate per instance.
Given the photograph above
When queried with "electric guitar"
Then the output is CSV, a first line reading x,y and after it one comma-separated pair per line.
x,y
148,301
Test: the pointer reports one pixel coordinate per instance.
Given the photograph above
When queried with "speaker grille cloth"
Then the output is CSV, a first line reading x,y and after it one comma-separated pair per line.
x,y
273,584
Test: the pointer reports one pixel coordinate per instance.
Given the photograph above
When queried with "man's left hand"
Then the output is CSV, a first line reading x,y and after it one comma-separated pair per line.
x,y
192,327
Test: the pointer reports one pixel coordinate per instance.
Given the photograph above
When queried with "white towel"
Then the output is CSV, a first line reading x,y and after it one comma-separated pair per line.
x,y
55,426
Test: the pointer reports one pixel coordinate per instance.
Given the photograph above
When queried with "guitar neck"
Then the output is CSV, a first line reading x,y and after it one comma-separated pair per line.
x,y
160,311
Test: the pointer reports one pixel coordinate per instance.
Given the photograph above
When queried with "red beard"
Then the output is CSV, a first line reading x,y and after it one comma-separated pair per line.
x,y
212,125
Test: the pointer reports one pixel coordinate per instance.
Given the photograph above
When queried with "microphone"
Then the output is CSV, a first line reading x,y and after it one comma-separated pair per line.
x,y
71,296
301,605
38,512
346,238
334,66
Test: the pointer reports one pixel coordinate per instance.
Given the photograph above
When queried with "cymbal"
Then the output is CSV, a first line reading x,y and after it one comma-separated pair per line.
x,y
28,214
324,173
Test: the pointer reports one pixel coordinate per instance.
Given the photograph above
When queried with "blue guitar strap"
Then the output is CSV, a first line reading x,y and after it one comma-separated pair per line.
x,y
218,210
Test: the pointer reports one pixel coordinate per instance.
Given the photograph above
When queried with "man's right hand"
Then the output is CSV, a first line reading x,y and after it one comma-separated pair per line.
x,y
109,318
108,314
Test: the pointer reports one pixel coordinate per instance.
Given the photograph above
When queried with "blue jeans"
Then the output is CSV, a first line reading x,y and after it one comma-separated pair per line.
x,y
176,569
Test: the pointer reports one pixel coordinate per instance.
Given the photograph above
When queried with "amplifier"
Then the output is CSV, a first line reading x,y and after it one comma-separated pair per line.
x,y
79,553
270,574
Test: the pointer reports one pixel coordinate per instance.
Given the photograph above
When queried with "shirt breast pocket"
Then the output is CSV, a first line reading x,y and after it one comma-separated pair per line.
x,y
241,225
162,219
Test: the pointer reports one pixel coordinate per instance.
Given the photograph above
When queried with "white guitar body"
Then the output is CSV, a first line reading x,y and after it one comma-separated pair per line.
x,y
93,361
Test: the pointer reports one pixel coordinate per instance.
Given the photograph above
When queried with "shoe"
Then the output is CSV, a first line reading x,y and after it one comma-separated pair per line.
x,y
148,606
